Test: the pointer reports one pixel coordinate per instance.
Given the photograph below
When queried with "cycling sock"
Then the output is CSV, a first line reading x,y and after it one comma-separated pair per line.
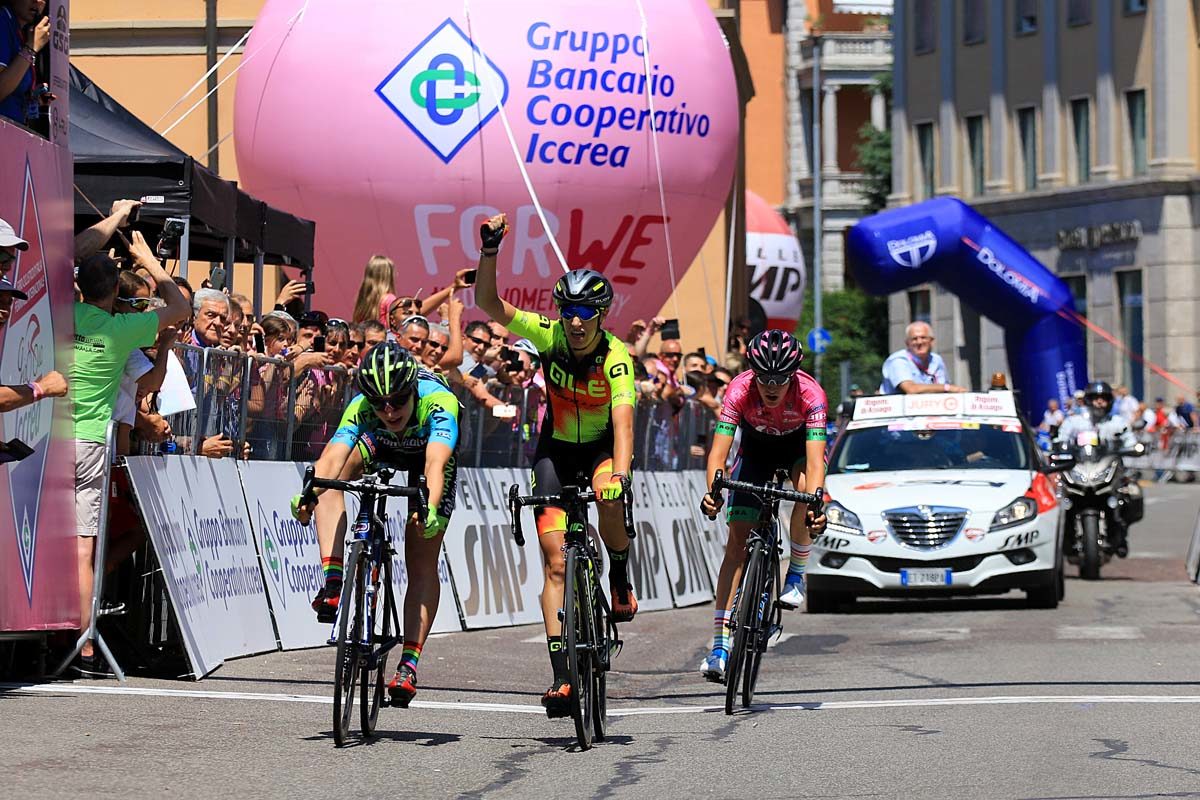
x,y
721,631
618,562
332,569
558,658
799,560
410,656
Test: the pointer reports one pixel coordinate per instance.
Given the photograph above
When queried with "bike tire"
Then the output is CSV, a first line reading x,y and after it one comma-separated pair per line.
x,y
1089,561
768,579
346,665
575,640
601,656
743,617
373,679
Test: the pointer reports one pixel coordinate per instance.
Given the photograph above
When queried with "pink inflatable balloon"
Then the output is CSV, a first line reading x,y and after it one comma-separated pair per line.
x,y
380,120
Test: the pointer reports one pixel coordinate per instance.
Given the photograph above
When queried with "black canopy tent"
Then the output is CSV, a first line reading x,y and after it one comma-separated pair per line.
x,y
118,156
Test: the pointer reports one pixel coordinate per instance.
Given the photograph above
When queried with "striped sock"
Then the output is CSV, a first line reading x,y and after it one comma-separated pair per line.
x,y
332,568
411,654
721,631
799,559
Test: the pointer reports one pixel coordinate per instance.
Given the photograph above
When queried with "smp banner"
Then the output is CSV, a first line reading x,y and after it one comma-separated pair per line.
x,y
713,533
776,264
195,513
679,533
647,554
38,590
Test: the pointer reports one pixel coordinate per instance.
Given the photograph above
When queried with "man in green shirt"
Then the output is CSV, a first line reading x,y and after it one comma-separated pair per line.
x,y
103,343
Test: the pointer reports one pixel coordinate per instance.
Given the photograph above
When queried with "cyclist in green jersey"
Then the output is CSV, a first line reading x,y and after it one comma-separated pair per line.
x,y
405,418
588,429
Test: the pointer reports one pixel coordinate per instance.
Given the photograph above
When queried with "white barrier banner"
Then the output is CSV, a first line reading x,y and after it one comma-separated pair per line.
x,y
1193,554
680,536
498,583
713,533
647,556
196,517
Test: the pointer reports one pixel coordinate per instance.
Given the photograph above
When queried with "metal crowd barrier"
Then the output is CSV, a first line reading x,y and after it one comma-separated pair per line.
x,y
1169,454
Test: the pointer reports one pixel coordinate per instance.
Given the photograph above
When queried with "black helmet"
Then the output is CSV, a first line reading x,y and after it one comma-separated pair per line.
x,y
774,353
387,371
583,287
1098,389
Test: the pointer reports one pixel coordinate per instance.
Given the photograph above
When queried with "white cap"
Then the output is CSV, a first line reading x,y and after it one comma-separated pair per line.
x,y
9,238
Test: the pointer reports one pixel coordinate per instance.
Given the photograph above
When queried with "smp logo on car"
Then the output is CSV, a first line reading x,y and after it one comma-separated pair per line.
x,y
1019,540
445,90
913,251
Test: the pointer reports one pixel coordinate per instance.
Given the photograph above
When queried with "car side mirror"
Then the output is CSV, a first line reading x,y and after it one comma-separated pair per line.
x,y
1060,461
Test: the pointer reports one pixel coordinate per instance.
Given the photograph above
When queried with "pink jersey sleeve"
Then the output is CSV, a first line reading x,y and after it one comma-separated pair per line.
x,y
812,400
735,399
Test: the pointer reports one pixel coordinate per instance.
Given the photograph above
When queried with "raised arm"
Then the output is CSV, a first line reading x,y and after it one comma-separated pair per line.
x,y
177,309
487,298
92,240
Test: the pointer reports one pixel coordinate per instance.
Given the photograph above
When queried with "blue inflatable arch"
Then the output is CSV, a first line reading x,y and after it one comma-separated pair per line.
x,y
946,241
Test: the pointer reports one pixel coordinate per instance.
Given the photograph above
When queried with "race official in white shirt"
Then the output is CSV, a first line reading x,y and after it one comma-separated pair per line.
x,y
916,369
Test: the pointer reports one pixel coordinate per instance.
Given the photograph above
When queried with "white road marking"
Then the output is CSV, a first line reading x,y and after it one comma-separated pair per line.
x,y
946,634
512,708
540,637
1098,632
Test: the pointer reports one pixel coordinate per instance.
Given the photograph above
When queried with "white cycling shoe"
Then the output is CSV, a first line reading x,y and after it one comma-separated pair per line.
x,y
793,594
713,668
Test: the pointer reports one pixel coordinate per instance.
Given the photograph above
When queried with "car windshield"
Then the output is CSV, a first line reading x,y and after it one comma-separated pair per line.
x,y
969,446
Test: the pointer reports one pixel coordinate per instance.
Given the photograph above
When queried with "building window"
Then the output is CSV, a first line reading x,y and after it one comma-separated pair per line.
x,y
1129,296
1135,107
1077,284
919,308
1027,132
1081,122
974,21
1079,12
925,155
1025,17
974,127
1134,6
924,26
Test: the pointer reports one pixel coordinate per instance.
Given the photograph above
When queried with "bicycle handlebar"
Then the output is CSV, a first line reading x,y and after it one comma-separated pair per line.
x,y
370,483
766,491
567,496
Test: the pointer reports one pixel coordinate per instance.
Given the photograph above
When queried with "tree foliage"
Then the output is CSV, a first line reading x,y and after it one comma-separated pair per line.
x,y
858,324
874,155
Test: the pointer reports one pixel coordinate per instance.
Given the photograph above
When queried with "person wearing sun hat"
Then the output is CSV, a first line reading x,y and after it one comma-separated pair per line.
x,y
10,243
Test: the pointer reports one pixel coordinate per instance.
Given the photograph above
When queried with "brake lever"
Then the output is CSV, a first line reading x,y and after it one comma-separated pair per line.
x,y
627,506
307,495
514,511
422,498
715,493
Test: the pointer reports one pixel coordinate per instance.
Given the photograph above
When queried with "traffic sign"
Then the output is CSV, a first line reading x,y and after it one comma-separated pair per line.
x,y
818,340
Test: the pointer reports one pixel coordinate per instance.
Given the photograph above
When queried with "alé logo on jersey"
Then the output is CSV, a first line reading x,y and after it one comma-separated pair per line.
x,y
445,90
596,387
28,353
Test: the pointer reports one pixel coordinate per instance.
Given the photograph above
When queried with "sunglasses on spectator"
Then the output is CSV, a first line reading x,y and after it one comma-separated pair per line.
x,y
670,355
429,345
409,320
477,340
142,303
585,313
393,402
6,257
773,380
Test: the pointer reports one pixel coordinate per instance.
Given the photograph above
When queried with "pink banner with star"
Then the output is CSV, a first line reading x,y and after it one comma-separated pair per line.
x,y
38,583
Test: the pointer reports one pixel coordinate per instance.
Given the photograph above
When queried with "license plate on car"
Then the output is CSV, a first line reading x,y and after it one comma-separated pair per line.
x,y
916,578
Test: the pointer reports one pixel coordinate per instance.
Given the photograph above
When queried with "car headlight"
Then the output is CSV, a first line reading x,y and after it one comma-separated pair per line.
x,y
1018,511
839,520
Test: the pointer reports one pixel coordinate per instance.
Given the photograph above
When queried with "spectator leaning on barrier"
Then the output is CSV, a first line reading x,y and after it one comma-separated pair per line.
x,y
103,343
142,375
210,316
1186,412
916,369
355,349
1125,404
52,384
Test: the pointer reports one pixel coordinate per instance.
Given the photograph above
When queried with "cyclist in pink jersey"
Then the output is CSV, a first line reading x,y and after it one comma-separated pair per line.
x,y
781,413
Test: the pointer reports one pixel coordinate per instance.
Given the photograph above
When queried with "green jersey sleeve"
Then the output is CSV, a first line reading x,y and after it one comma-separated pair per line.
x,y
618,368
536,328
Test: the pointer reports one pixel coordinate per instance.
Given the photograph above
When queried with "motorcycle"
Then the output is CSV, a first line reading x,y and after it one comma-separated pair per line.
x,y
1101,501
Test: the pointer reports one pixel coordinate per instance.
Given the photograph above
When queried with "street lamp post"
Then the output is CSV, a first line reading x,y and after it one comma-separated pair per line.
x,y
816,162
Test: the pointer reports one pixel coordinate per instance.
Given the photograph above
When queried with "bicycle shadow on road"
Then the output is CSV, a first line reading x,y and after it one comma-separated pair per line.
x,y
408,737
566,743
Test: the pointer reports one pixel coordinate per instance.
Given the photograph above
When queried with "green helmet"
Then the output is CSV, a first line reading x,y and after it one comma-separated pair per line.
x,y
387,370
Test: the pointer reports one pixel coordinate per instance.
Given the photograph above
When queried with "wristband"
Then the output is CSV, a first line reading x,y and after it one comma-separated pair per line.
x,y
945,387
28,54
483,251
38,391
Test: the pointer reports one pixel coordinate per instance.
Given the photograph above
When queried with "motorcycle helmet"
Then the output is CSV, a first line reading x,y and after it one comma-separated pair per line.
x,y
1102,391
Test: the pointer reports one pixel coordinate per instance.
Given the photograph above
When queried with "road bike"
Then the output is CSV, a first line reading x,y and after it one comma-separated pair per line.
x,y
589,636
362,651
756,615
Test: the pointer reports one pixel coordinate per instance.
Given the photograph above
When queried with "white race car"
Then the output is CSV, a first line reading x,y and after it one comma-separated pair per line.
x,y
937,494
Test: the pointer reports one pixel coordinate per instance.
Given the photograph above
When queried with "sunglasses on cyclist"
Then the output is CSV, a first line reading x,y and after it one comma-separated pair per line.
x,y
585,313
393,402
142,303
774,380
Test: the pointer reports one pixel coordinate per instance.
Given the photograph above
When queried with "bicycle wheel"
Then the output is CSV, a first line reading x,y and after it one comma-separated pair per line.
x,y
601,655
576,611
745,609
768,579
345,672
373,679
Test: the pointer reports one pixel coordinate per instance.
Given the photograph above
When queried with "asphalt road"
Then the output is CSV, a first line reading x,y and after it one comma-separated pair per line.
x,y
962,699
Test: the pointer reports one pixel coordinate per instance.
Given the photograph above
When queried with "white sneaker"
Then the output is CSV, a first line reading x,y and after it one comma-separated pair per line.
x,y
793,594
713,668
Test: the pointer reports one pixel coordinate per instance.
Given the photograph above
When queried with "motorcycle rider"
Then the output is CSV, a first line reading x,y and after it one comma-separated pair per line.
x,y
1111,431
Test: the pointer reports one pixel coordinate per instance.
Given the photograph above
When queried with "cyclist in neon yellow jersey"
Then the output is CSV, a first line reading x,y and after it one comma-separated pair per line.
x,y
589,428
407,419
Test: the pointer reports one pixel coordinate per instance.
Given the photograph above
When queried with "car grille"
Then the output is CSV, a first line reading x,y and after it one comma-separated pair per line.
x,y
925,527
894,565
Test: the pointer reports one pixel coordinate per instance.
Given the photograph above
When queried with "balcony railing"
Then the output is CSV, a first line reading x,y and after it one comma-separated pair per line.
x,y
869,51
838,189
